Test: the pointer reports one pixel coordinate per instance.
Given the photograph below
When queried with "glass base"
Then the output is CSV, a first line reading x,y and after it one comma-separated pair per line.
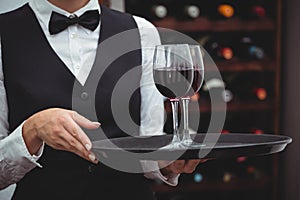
x,y
191,144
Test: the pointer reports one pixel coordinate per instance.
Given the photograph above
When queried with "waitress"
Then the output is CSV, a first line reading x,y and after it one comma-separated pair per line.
x,y
42,59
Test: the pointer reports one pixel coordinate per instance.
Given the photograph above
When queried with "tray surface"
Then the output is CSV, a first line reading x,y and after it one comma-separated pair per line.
x,y
214,146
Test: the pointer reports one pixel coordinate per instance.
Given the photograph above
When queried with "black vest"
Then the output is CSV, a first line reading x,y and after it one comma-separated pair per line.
x,y
36,79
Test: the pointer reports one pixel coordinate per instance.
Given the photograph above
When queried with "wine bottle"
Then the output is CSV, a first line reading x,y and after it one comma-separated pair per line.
x,y
256,131
213,89
226,10
227,177
248,50
213,83
246,93
253,172
188,9
253,10
198,177
241,159
159,11
192,11
257,93
227,95
151,10
258,11
225,131
248,86
260,93
195,97
218,50
221,9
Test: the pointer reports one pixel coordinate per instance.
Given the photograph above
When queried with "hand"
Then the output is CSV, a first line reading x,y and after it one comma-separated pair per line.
x,y
179,166
60,129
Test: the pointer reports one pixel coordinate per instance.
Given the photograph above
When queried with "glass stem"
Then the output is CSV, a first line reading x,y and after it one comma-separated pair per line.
x,y
176,137
186,135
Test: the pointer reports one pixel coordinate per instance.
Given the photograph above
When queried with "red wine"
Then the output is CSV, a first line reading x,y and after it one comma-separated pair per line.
x,y
173,83
197,82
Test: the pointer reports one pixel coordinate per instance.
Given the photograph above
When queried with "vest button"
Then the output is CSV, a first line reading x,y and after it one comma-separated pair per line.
x,y
84,96
91,168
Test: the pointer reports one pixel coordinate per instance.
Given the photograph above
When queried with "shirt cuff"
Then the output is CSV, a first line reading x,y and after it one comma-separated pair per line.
x,y
18,152
152,171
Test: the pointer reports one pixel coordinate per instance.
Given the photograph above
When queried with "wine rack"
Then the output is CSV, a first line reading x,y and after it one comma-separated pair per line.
x,y
252,82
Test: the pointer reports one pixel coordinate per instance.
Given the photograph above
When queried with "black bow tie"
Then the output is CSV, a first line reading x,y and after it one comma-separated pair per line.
x,y
58,22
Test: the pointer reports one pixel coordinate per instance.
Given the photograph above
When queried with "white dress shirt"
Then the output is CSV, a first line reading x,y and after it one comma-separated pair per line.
x,y
78,56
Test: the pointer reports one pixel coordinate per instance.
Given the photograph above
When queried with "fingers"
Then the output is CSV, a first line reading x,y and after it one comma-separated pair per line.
x,y
84,122
78,133
191,165
60,129
70,143
74,130
180,166
77,141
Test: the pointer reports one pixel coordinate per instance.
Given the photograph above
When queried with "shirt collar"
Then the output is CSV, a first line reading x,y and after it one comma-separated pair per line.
x,y
44,9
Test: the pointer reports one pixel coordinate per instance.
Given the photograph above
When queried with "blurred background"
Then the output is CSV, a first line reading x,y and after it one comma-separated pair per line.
x,y
256,47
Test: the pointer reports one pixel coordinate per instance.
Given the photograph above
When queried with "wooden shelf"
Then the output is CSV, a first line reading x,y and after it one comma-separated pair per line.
x,y
234,107
203,24
235,65
237,184
266,33
205,107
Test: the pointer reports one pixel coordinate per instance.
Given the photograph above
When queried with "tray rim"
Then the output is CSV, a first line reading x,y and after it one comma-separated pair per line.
x,y
284,140
247,150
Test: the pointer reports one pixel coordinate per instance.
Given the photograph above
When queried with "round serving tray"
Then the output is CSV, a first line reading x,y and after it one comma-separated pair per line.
x,y
214,146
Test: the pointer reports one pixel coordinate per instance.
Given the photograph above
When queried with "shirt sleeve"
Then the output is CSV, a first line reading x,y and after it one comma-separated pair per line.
x,y
15,159
152,107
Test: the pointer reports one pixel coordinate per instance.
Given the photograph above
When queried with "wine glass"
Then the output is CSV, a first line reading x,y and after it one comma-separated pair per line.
x,y
173,75
198,69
